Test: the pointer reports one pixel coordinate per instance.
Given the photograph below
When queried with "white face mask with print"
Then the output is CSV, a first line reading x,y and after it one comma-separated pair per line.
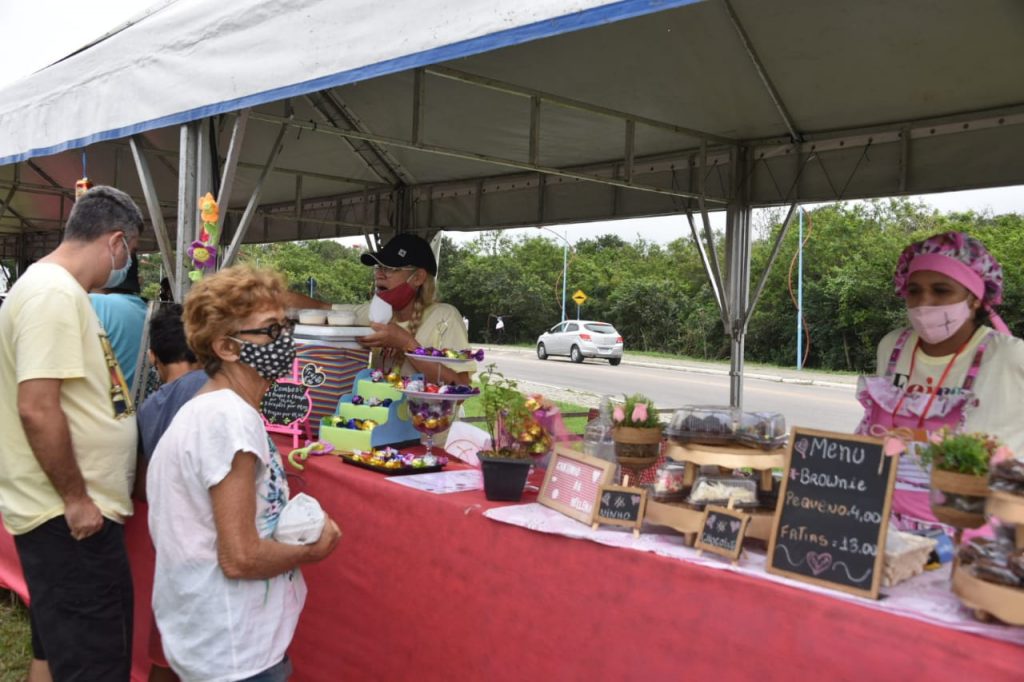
x,y
272,361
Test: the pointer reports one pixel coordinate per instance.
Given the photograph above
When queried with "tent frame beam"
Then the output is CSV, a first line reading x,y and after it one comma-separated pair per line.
x,y
377,159
472,156
227,180
254,198
569,103
165,154
762,72
156,216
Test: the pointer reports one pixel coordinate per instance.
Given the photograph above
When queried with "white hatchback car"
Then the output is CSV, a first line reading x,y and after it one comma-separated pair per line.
x,y
581,339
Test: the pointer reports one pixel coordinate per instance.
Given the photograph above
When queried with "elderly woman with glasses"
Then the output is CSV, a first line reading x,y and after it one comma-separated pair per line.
x,y
404,272
226,595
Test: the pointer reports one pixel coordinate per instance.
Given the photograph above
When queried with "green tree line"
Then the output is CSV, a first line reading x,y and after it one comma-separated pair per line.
x,y
658,297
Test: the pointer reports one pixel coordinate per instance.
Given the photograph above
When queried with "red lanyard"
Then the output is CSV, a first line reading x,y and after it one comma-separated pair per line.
x,y
942,380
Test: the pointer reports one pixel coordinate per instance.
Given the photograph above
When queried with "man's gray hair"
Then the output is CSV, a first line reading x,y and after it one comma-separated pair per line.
x,y
100,211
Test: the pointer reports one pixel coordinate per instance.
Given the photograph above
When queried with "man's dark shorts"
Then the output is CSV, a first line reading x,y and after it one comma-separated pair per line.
x,y
81,600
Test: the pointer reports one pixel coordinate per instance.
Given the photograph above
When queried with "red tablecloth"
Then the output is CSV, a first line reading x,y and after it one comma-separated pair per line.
x,y
424,587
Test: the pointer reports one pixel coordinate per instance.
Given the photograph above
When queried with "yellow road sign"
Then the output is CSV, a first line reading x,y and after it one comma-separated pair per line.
x,y
579,297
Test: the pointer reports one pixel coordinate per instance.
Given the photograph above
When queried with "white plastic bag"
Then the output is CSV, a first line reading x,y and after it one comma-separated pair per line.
x,y
301,521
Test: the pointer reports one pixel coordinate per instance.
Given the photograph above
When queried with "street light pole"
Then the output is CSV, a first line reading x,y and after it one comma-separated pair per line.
x,y
565,263
800,294
565,273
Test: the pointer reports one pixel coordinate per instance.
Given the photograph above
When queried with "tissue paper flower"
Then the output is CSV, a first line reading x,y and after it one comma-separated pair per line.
x,y
204,256
208,210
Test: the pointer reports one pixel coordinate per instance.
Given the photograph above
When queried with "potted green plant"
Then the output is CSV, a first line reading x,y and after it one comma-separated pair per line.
x,y
516,437
637,431
959,475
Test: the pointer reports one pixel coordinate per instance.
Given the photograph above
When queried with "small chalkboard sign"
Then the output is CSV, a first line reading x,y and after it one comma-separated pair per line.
x,y
620,506
833,511
285,403
572,482
286,406
722,531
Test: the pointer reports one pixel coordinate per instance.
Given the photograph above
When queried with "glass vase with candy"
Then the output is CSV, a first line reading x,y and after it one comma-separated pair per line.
x,y
432,407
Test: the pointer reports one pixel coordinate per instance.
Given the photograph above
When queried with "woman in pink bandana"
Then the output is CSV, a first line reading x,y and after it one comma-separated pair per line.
x,y
949,369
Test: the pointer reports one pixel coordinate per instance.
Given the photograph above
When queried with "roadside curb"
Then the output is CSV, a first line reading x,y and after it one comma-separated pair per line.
x,y
715,371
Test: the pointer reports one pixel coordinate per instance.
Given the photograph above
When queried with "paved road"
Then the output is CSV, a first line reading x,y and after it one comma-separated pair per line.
x,y
827,407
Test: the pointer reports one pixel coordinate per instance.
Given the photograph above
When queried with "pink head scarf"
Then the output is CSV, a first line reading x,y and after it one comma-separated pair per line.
x,y
961,258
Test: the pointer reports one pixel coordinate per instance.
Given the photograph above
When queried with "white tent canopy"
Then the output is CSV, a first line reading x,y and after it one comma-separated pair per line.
x,y
346,117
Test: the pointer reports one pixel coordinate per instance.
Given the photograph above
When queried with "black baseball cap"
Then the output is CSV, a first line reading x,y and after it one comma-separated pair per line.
x,y
403,251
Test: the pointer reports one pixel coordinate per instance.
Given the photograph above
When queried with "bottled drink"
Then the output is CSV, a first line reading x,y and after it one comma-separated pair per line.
x,y
597,438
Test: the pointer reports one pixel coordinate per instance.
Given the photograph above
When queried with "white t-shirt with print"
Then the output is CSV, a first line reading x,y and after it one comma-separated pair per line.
x,y
215,628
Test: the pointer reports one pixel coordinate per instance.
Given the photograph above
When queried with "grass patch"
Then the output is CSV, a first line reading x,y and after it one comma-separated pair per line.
x,y
15,638
474,409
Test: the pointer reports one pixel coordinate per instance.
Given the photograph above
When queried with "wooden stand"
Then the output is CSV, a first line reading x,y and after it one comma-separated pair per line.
x,y
989,599
958,484
695,455
686,519
1009,508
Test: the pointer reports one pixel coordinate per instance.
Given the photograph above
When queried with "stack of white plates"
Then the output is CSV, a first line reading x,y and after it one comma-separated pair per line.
x,y
344,337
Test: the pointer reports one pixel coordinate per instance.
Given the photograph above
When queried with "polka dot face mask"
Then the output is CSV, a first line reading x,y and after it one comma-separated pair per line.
x,y
272,361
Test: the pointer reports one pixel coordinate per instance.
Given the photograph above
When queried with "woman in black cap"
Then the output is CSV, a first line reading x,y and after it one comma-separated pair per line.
x,y
403,272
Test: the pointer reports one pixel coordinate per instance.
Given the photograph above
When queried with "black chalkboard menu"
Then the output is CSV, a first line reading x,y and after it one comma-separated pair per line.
x,y
833,511
722,531
286,402
620,506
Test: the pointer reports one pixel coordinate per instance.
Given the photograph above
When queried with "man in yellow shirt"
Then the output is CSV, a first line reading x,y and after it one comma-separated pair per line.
x,y
67,456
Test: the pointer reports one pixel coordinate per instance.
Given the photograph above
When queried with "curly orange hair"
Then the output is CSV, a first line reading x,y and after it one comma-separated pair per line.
x,y
218,303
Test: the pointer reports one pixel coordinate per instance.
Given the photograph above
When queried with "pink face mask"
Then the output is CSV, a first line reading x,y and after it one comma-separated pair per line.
x,y
936,323
400,296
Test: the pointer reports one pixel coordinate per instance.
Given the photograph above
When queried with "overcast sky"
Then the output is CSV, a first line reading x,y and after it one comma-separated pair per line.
x,y
38,32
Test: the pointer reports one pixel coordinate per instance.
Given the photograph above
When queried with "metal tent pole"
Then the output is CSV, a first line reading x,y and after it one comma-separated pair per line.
x,y
737,235
188,171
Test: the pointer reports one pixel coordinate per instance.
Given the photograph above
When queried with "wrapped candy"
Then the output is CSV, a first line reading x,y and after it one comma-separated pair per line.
x,y
376,376
449,353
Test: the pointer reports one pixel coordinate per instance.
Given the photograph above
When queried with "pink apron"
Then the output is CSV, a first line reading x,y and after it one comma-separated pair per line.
x,y
888,407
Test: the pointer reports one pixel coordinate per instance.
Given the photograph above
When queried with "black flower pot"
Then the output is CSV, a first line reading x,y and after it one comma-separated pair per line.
x,y
504,478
